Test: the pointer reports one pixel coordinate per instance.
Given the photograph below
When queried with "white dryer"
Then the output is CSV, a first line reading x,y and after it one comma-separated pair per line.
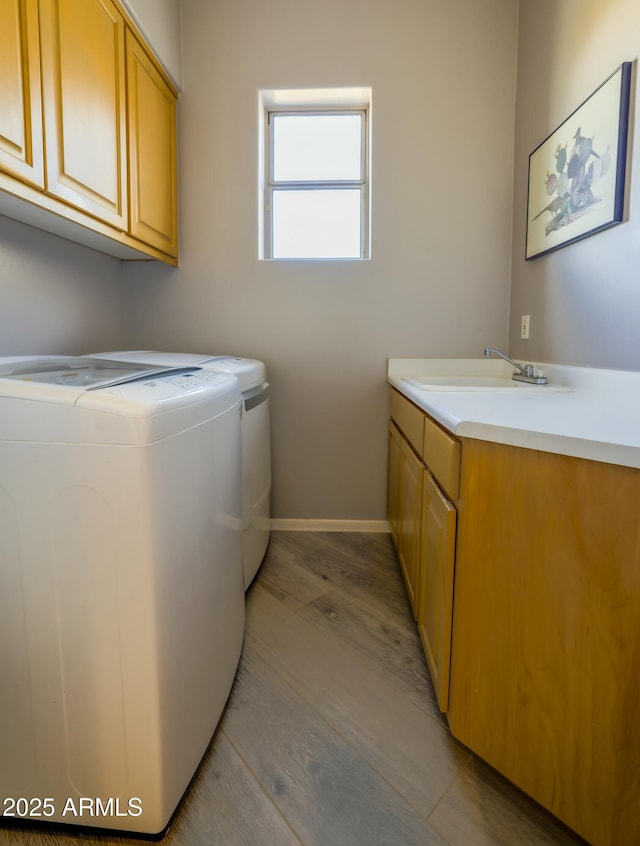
x,y
122,594
256,440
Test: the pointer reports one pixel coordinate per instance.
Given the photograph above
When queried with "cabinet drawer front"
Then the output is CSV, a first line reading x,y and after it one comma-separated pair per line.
x,y
409,418
442,456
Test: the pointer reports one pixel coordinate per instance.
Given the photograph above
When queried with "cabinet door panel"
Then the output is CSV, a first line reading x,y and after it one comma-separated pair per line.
x,y
21,140
435,605
393,503
152,152
410,482
83,66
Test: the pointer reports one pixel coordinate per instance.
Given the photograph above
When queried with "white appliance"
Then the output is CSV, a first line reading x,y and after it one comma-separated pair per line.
x,y
256,440
122,593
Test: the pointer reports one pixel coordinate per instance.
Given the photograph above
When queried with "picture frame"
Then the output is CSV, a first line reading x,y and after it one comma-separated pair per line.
x,y
577,174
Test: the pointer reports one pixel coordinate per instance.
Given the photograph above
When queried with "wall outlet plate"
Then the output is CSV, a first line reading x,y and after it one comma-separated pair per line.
x,y
524,326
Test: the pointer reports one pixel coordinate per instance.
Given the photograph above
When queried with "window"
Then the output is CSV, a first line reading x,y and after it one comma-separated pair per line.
x,y
316,182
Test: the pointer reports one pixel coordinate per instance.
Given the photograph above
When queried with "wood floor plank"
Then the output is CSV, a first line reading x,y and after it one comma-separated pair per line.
x,y
282,574
402,742
341,561
382,643
324,789
375,623
224,806
483,809
227,807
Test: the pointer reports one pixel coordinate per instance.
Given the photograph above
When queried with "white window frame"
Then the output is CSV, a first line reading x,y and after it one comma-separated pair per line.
x,y
362,184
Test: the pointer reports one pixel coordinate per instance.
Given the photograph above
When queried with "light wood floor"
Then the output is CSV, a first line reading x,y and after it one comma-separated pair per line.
x,y
331,736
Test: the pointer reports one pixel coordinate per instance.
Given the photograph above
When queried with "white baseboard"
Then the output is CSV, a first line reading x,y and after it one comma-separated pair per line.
x,y
302,525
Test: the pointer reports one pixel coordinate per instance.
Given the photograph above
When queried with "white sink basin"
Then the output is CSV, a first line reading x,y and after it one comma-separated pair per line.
x,y
475,383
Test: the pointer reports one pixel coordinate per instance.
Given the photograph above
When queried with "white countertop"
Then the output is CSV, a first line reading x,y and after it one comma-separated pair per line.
x,y
597,419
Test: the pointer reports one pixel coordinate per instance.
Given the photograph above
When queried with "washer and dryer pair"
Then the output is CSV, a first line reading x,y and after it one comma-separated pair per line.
x,y
122,585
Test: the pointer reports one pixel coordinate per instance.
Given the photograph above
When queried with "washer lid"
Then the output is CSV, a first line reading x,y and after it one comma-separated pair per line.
x,y
53,402
167,359
250,372
65,378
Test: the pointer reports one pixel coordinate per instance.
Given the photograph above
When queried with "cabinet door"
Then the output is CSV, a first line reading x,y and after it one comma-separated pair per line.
x,y
393,491
435,602
21,140
410,489
152,152
83,84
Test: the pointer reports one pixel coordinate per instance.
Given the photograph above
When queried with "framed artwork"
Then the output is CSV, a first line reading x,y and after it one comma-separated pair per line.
x,y
577,174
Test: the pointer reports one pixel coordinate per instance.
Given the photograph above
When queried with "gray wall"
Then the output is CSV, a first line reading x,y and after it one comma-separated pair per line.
x,y
55,296
438,284
159,22
584,299
443,79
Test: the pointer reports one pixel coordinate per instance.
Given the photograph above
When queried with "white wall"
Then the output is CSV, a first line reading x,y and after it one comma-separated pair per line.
x,y
443,79
55,296
584,299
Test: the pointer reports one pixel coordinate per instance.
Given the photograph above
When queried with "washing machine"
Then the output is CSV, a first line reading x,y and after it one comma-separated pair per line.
x,y
256,440
122,594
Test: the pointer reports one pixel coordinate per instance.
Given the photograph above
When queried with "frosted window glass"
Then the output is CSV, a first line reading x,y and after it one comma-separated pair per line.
x,y
317,147
316,224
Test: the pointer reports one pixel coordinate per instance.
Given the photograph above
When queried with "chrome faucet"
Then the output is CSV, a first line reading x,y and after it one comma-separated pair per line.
x,y
523,372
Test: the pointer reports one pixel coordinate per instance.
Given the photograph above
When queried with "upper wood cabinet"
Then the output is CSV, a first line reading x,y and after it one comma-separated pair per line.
x,y
152,152
21,151
87,128
83,83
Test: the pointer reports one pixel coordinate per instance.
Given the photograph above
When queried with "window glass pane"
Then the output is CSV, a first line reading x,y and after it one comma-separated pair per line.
x,y
316,224
317,147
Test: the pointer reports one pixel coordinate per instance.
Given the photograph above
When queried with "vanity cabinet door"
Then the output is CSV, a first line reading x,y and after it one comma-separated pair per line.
x,y
393,490
435,600
83,83
409,519
20,101
152,152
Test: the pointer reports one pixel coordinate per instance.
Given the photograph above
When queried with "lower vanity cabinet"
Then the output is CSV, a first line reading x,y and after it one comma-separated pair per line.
x,y
424,466
535,655
545,670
